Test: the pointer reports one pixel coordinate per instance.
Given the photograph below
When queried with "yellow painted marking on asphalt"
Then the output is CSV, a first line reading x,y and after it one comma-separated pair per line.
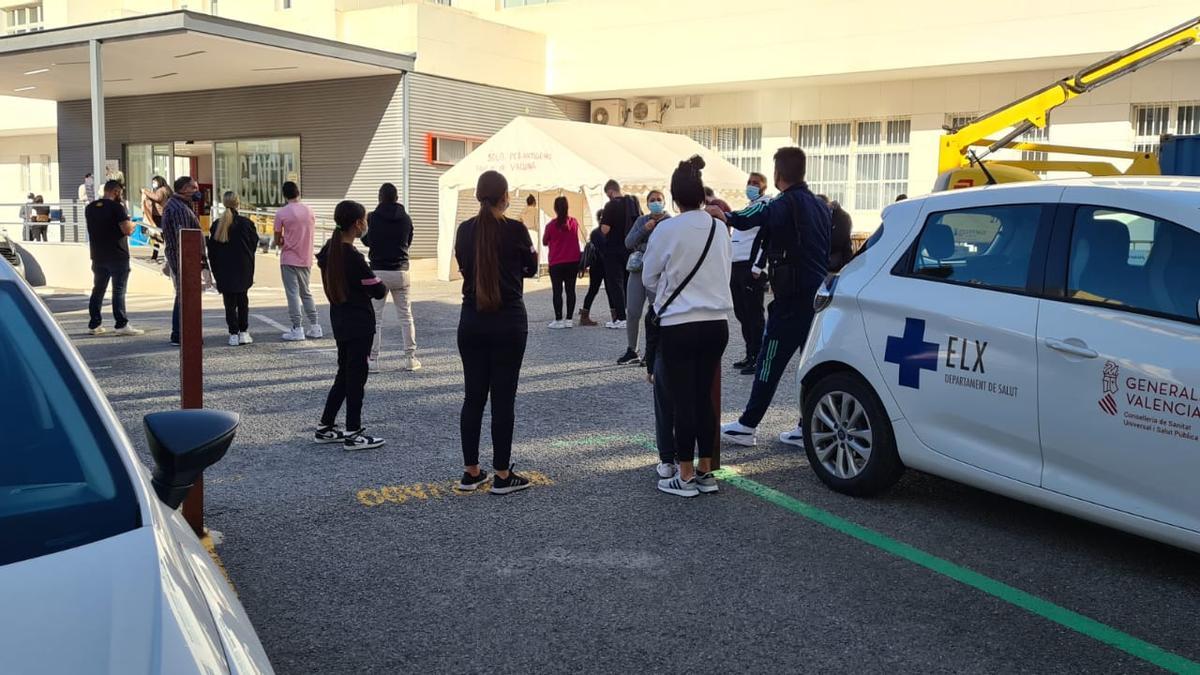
x,y
211,547
425,492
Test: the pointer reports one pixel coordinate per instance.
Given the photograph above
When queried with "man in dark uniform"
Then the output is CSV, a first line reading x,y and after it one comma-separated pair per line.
x,y
795,234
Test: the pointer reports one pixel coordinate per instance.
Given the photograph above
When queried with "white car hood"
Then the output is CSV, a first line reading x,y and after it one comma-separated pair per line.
x,y
126,604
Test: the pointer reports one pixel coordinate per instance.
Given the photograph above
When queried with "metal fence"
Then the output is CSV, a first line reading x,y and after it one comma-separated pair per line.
x,y
59,221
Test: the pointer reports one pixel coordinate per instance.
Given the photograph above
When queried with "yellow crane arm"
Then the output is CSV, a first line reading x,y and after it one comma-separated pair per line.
x,y
1034,109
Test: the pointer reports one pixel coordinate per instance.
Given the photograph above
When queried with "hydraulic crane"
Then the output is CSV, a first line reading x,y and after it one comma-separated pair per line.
x,y
959,166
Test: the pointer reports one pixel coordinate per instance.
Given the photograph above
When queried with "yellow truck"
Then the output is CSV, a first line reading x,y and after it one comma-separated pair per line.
x,y
960,166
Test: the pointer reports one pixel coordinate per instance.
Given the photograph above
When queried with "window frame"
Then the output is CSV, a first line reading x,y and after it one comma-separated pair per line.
x,y
1058,264
27,25
1170,126
472,142
1035,277
854,151
744,155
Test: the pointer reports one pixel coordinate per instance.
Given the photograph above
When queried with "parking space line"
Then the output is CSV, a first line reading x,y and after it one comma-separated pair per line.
x,y
271,322
1079,623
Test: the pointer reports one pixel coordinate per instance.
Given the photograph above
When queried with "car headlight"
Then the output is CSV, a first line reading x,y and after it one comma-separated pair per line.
x,y
824,294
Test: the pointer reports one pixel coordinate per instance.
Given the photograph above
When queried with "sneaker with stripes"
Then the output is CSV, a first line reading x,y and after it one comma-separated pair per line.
x,y
679,487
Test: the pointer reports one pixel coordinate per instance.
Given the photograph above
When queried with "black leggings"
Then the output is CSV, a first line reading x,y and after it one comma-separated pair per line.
x,y
491,367
691,354
614,284
563,275
237,312
595,278
351,382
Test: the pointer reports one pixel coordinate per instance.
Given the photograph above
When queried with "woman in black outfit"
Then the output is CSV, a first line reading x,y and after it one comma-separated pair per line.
x,y
494,254
594,264
231,258
350,285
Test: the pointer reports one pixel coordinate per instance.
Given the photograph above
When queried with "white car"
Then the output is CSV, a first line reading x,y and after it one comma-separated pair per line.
x,y
98,571
1037,340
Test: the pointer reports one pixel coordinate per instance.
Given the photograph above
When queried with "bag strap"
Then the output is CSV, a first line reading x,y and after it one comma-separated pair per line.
x,y
688,278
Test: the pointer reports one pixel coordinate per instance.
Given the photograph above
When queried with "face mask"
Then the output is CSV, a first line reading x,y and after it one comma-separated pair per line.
x,y
657,207
752,192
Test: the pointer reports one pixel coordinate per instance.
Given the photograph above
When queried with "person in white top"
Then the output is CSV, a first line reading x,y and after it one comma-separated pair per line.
x,y
687,263
747,282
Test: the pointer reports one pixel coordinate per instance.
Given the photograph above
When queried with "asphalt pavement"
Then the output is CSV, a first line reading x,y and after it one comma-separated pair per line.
x,y
369,562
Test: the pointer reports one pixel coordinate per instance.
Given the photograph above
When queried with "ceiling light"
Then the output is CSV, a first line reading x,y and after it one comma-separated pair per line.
x,y
70,63
159,77
37,72
184,56
263,70
25,89
121,79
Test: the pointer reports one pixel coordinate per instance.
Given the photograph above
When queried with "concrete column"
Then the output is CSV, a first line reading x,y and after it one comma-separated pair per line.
x,y
96,63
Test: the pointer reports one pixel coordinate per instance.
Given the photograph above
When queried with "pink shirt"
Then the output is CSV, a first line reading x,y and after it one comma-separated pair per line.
x,y
297,222
564,246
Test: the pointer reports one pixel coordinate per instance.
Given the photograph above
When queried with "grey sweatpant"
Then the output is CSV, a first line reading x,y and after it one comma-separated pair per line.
x,y
295,287
635,303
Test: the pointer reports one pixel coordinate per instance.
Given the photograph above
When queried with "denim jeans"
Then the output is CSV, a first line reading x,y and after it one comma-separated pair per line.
x,y
102,273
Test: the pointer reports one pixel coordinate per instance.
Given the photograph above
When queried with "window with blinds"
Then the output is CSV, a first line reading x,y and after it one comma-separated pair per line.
x,y
740,145
1152,121
862,164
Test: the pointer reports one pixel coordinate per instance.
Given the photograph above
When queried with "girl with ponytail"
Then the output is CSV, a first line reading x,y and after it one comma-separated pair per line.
x,y
350,286
231,258
495,255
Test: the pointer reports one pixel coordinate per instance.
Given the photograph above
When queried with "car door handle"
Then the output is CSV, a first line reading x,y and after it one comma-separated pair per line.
x,y
1070,347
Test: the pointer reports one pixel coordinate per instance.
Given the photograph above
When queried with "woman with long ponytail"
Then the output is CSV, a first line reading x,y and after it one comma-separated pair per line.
x,y
350,286
495,255
231,259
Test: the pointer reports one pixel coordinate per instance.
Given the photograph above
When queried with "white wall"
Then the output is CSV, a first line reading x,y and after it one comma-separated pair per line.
x,y
43,177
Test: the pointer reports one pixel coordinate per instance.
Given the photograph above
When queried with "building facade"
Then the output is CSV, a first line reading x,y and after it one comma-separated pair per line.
x,y
865,87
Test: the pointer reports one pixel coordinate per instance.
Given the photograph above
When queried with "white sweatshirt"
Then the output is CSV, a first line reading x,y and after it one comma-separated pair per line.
x,y
671,254
743,240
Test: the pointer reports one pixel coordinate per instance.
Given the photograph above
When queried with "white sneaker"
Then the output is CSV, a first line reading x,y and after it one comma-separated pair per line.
x,y
357,440
736,432
612,325
411,363
233,341
314,332
294,335
679,487
130,330
245,338
372,365
568,323
98,330
794,437
555,324
622,323
666,470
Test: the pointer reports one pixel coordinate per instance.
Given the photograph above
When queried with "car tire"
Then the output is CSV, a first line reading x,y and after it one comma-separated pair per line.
x,y
843,417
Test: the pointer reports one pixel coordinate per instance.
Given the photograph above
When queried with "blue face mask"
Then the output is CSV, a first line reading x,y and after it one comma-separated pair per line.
x,y
657,207
752,192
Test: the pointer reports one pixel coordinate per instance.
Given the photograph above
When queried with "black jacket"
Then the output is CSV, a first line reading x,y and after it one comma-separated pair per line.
x,y
389,234
232,262
796,227
840,247
354,318
518,261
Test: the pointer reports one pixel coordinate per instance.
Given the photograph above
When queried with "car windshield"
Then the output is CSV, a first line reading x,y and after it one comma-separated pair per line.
x,y
62,483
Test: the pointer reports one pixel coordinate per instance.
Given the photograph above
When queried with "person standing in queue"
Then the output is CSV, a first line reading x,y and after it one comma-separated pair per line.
x,y
388,238
687,264
841,246
350,286
746,281
495,255
795,235
231,250
178,215
562,241
635,291
295,224
592,262
615,222
109,227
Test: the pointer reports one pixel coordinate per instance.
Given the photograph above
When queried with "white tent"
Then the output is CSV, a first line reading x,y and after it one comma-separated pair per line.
x,y
573,158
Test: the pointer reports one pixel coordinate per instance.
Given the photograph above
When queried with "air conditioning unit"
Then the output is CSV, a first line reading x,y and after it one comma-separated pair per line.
x,y
646,111
611,112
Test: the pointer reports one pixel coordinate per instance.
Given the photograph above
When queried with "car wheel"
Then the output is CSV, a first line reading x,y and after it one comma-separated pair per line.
x,y
848,436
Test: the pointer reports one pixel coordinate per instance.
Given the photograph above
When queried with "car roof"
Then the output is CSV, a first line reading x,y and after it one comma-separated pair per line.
x,y
1181,190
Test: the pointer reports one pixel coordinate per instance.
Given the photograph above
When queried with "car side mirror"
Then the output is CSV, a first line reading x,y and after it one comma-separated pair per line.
x,y
183,444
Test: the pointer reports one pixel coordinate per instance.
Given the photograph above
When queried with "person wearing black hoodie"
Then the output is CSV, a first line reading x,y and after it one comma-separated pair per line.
x,y
350,287
231,250
389,234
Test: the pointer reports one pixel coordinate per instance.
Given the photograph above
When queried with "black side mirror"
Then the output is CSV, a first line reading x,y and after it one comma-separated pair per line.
x,y
184,443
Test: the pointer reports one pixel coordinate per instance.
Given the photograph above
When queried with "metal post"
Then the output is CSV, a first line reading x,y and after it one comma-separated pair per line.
x,y
406,158
716,403
191,353
96,62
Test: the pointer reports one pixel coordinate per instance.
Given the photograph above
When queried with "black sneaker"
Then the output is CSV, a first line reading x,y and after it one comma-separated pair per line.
x,y
469,483
357,440
738,365
749,369
329,434
629,357
514,482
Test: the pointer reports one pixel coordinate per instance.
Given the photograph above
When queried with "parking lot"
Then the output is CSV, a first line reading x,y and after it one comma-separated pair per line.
x,y
369,562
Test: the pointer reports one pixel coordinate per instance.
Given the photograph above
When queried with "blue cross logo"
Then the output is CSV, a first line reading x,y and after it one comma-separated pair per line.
x,y
912,353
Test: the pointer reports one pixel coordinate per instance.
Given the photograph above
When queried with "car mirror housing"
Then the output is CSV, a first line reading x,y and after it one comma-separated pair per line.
x,y
183,444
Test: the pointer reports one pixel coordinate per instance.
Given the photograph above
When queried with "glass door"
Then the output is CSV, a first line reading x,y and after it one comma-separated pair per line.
x,y
144,161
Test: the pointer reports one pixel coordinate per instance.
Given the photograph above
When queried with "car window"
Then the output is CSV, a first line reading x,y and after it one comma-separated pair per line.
x,y
62,483
1134,261
989,246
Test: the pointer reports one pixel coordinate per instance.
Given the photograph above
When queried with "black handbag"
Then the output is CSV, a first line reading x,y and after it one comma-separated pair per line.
x,y
655,317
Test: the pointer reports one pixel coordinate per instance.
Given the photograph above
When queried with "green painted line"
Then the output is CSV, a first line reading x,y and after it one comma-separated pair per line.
x,y
1031,603
595,441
